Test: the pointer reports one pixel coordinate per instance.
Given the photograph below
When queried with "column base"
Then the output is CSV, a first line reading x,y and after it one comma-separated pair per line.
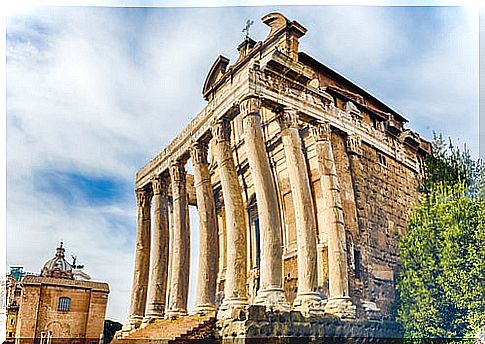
x,y
175,313
341,307
205,308
150,318
231,308
309,304
273,299
133,322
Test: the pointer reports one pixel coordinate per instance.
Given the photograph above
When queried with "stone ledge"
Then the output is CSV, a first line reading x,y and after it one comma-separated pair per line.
x,y
257,323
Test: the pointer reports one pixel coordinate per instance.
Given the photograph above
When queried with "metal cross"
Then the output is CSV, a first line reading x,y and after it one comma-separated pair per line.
x,y
246,28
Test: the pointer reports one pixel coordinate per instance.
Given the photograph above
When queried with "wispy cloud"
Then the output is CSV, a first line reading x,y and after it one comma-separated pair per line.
x,y
93,93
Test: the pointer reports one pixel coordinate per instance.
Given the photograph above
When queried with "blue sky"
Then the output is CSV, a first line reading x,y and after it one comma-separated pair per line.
x,y
93,93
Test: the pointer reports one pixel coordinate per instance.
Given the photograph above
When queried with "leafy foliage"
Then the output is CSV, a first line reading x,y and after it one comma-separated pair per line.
x,y
442,282
448,165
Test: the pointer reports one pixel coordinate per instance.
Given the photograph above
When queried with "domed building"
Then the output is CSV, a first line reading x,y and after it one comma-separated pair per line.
x,y
58,267
59,303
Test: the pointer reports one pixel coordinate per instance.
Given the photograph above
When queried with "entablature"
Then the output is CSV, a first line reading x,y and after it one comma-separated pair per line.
x,y
270,70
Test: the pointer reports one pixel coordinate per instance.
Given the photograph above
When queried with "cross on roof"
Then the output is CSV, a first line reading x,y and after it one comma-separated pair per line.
x,y
246,28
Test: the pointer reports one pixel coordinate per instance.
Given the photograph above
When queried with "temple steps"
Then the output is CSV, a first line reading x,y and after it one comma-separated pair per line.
x,y
170,331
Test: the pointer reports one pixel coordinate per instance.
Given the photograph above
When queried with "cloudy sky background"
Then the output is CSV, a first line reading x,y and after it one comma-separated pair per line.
x,y
93,93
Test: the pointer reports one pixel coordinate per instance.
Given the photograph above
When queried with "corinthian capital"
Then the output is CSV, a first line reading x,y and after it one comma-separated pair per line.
x,y
322,131
143,197
177,171
249,105
198,152
288,118
159,186
354,144
221,129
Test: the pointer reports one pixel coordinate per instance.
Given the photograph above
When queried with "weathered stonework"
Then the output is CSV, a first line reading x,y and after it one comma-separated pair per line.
x,y
207,274
159,260
306,180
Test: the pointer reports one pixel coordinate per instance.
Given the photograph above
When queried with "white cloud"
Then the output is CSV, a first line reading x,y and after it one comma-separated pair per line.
x,y
92,94
357,38
442,87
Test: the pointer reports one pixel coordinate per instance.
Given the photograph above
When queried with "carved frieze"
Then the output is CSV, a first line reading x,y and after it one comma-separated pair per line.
x,y
280,84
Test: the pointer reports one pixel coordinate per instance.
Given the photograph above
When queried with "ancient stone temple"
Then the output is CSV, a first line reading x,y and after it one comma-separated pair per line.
x,y
302,182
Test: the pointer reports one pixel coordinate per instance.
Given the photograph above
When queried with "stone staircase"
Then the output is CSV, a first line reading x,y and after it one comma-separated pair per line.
x,y
181,330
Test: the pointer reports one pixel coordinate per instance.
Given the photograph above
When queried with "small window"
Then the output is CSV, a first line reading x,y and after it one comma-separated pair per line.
x,y
12,321
382,159
357,261
17,292
64,304
10,335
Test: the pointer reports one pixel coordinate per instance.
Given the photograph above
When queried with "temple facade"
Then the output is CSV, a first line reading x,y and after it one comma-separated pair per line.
x,y
303,182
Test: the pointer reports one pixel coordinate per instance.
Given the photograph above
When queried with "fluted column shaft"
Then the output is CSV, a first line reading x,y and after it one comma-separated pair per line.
x,y
235,290
271,291
170,245
142,259
307,297
160,250
179,277
208,246
337,253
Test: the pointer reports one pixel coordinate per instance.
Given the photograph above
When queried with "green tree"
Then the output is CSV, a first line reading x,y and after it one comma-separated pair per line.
x,y
448,165
442,282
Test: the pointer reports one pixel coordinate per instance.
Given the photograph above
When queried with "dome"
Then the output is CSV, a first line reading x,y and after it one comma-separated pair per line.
x,y
58,266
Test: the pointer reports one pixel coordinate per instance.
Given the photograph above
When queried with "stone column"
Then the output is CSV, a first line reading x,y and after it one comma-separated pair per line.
x,y
179,277
307,299
159,262
235,290
270,293
142,261
339,301
170,245
209,244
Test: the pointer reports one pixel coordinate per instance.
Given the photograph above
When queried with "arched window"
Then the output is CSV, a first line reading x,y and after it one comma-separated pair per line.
x,y
64,304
